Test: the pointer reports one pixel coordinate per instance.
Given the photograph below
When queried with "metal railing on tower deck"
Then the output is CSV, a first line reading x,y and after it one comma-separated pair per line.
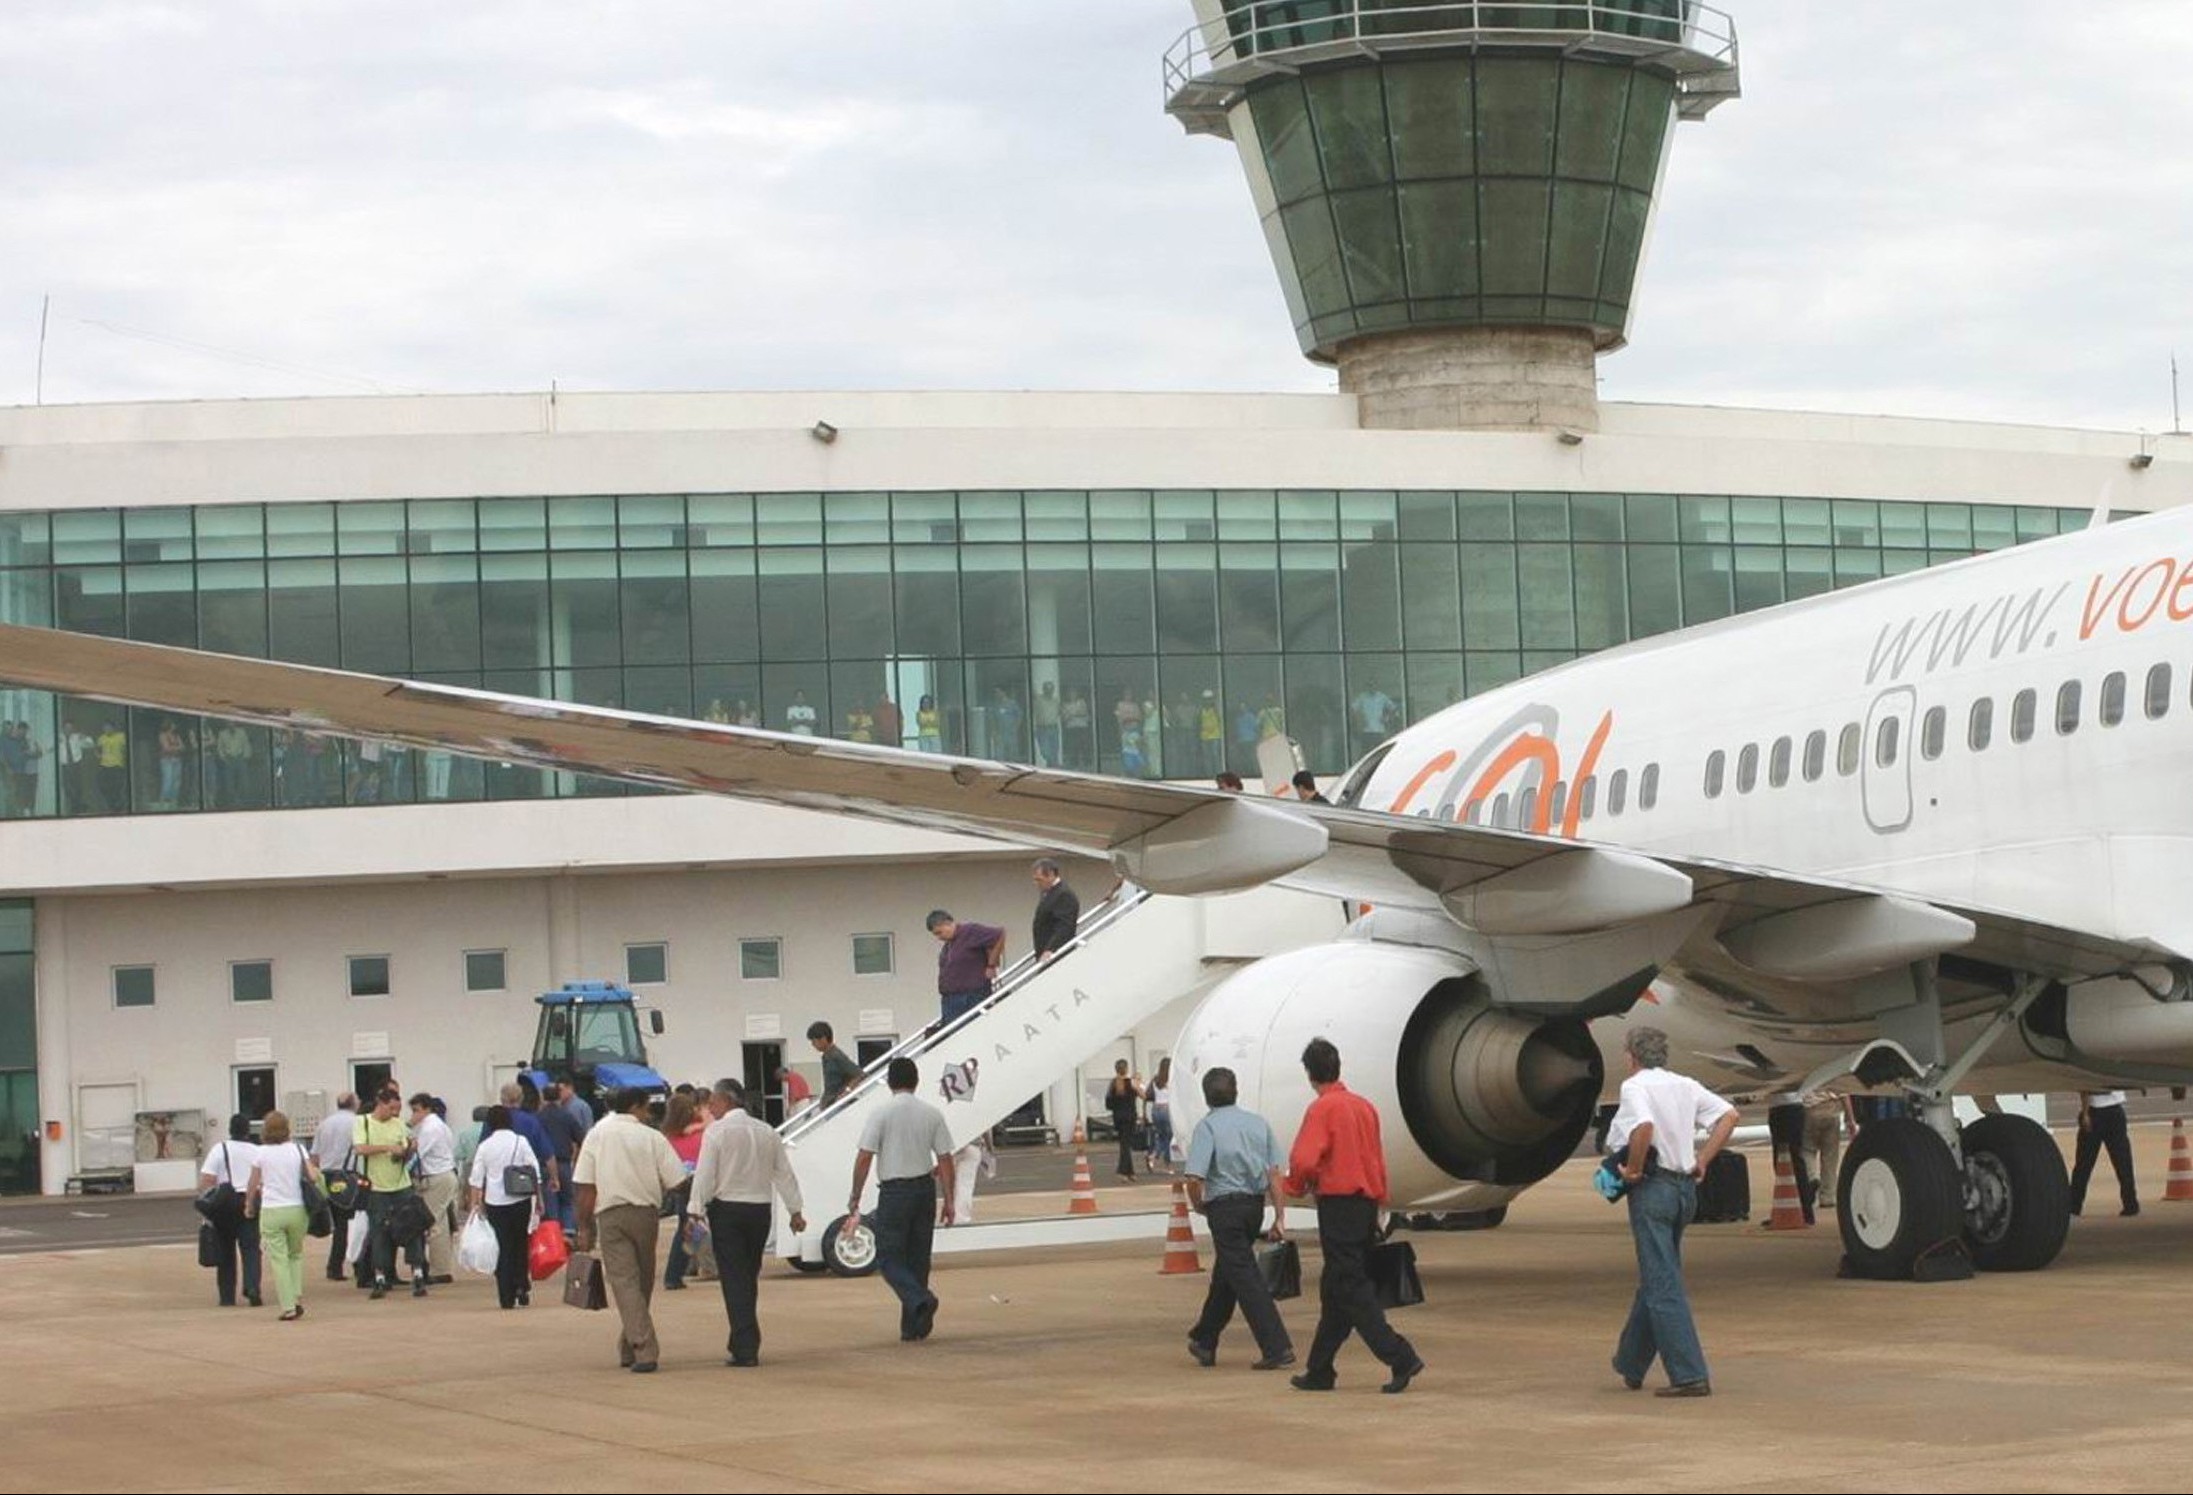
x,y
1207,69
1114,908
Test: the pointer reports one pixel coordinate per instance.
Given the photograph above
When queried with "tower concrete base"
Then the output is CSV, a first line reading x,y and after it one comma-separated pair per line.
x,y
1474,379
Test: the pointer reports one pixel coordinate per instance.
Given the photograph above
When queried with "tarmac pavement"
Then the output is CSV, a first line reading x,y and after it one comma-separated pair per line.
x,y
1066,1370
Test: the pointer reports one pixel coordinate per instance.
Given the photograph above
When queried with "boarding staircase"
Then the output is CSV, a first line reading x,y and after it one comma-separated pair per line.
x,y
1134,953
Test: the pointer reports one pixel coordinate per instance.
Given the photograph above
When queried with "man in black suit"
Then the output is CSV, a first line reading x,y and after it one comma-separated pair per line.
x,y
1058,911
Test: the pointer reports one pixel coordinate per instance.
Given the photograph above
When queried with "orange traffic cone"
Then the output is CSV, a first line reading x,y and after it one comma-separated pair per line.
x,y
1180,1254
1084,1201
2181,1163
1789,1210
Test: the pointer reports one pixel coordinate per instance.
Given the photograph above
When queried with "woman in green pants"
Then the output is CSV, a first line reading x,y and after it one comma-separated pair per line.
x,y
278,1199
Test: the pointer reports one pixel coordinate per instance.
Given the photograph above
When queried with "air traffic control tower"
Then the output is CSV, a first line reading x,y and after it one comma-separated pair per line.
x,y
1457,195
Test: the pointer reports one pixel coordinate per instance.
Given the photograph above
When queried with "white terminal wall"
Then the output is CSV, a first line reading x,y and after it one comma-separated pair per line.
x,y
554,927
563,886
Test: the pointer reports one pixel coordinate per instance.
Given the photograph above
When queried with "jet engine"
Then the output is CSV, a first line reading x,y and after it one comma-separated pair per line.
x,y
1476,1103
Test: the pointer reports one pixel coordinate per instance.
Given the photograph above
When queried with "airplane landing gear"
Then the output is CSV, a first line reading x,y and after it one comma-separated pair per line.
x,y
1899,1205
1927,1200
2017,1195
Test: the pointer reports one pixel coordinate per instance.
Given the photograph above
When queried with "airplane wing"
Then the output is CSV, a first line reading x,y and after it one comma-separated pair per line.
x,y
1789,931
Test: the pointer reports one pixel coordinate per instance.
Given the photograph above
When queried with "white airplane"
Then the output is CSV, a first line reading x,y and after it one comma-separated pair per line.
x,y
1924,833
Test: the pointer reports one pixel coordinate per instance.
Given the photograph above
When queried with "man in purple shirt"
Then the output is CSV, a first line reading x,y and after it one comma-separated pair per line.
x,y
967,964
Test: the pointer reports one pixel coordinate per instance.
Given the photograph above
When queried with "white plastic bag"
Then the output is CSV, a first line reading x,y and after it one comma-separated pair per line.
x,y
477,1249
360,1232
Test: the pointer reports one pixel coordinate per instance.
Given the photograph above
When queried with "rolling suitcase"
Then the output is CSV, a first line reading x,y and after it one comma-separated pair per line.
x,y
1725,1194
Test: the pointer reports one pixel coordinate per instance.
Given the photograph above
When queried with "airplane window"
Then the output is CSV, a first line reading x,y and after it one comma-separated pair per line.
x,y
1716,771
1475,814
1560,803
1816,756
1846,750
1981,731
1526,809
1778,763
2158,692
1886,741
1648,787
1747,768
1500,811
1933,728
2113,698
1591,795
1618,791
2067,708
2021,715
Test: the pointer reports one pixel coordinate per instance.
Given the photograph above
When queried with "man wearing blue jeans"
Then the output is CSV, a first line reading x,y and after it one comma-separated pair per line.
x,y
909,1145
1655,1132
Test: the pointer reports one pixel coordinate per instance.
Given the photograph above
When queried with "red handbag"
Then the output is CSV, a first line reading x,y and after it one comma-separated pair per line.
x,y
547,1253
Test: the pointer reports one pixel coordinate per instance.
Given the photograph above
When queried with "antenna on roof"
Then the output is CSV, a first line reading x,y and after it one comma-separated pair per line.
x,y
2177,425
44,314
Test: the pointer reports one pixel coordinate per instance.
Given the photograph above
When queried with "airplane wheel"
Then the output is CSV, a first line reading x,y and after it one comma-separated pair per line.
x,y
1899,1197
2017,1194
850,1255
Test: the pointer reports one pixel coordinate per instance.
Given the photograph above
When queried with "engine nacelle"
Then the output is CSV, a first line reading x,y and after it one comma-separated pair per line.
x,y
1475,1103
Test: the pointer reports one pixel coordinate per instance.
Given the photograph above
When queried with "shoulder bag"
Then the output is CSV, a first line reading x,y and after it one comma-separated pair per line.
x,y
521,1180
319,1214
222,1204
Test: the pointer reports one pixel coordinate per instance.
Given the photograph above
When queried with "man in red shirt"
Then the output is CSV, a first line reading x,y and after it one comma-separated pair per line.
x,y
1339,1158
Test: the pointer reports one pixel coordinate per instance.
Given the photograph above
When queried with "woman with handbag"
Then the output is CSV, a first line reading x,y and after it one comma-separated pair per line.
x,y
224,1176
506,1181
284,1182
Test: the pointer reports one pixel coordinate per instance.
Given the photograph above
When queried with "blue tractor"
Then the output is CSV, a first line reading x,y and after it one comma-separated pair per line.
x,y
589,1038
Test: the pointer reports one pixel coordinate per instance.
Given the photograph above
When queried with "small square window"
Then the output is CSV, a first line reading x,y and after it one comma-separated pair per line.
x,y
133,986
251,981
369,975
483,970
761,960
872,955
646,965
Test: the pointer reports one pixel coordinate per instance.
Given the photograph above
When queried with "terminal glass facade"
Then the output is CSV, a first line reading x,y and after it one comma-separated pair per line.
x,y
1142,632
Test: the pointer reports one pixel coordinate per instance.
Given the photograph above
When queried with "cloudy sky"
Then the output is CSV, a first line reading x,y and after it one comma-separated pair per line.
x,y
1920,208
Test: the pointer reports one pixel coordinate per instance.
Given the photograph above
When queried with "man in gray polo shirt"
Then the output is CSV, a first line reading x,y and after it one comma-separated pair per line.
x,y
1235,1165
908,1144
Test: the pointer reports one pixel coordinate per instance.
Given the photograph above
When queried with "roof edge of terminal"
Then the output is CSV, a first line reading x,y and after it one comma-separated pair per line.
x,y
731,412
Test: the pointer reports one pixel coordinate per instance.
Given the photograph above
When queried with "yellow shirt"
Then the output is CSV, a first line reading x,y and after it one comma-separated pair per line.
x,y
113,750
385,1171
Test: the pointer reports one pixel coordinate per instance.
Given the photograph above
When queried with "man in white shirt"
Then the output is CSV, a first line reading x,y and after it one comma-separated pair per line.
x,y
435,1149
909,1146
625,1168
331,1149
1655,1133
743,1161
2102,1124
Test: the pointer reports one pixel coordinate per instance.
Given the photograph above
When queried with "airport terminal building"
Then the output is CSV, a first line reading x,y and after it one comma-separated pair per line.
x,y
196,917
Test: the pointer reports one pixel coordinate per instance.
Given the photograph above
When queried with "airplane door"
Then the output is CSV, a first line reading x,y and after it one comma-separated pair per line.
x,y
1884,759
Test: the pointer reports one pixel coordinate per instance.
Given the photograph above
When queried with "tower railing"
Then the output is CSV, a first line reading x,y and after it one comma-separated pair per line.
x,y
1207,69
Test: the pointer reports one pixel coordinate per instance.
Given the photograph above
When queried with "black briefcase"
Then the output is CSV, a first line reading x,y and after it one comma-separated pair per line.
x,y
1393,1275
1279,1263
1724,1194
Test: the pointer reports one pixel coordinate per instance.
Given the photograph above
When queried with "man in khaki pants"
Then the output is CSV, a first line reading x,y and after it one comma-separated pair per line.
x,y
625,1168
434,1146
